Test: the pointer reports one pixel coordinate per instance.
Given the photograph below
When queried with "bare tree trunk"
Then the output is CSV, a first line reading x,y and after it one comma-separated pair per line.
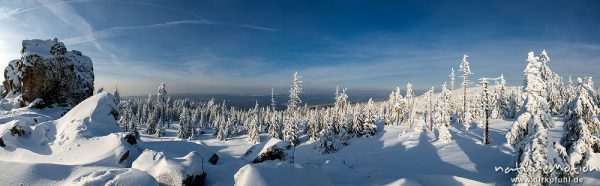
x,y
464,99
430,113
486,135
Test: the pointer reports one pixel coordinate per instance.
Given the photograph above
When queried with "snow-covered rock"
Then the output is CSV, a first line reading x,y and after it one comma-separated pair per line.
x,y
86,135
278,173
273,149
48,71
43,174
115,176
188,170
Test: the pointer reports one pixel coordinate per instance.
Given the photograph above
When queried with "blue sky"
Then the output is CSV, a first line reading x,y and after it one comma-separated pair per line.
x,y
223,46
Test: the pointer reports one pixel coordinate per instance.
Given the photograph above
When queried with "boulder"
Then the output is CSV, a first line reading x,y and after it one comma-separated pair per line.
x,y
19,129
130,138
124,157
213,159
174,171
48,71
273,149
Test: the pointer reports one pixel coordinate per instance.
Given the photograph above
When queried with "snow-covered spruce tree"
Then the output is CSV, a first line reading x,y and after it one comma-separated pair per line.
x,y
313,125
453,102
430,99
123,118
151,122
275,125
581,127
161,104
358,119
503,107
195,122
160,131
589,82
369,127
290,120
117,96
295,91
466,69
253,135
328,142
224,125
452,78
396,105
184,122
273,102
289,130
529,134
410,104
569,94
442,116
552,81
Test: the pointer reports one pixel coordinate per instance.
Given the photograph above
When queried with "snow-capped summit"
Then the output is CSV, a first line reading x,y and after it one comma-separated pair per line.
x,y
47,70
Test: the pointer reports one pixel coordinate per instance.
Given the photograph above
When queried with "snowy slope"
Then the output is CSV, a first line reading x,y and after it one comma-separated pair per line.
x,y
82,147
414,157
87,134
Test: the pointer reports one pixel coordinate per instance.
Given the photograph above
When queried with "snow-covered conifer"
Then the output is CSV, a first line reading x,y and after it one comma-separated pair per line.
x,y
369,127
452,77
295,91
466,69
275,125
529,134
161,99
289,130
184,122
273,102
581,128
442,116
151,122
117,96
328,142
551,80
253,135
429,97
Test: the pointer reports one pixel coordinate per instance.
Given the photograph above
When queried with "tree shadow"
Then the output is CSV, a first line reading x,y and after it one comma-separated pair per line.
x,y
488,157
388,163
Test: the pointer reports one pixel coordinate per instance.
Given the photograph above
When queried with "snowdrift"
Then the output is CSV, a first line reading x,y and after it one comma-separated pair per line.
x,y
93,117
280,173
172,171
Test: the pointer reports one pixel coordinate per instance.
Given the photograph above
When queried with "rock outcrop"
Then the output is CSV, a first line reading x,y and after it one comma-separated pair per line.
x,y
48,71
273,149
186,170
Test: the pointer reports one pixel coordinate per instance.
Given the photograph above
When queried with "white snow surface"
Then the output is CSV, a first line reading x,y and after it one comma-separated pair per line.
x,y
81,148
280,173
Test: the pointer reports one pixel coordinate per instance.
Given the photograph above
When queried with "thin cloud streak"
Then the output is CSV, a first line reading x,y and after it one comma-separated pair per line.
x,y
113,32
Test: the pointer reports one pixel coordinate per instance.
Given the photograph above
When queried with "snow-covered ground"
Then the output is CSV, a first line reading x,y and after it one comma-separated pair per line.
x,y
84,147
